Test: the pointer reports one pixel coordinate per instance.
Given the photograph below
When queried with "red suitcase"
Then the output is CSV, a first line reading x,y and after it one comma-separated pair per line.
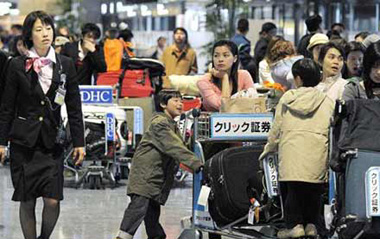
x,y
136,83
191,102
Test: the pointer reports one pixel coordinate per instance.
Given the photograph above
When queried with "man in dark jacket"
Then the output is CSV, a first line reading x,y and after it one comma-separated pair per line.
x,y
313,25
87,56
153,167
244,46
268,30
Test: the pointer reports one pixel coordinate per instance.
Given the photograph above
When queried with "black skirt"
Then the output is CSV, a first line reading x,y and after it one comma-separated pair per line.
x,y
36,172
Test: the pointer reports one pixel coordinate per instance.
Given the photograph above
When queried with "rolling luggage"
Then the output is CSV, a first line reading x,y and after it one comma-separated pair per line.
x,y
356,160
135,83
191,102
233,177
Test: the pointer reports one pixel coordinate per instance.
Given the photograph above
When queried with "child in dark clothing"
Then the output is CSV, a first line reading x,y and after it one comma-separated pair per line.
x,y
153,167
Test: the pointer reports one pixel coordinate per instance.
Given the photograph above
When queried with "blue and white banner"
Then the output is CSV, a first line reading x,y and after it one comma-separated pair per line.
x,y
110,127
96,94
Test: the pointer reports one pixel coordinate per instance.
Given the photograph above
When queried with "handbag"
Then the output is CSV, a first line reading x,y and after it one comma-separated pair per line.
x,y
243,105
245,101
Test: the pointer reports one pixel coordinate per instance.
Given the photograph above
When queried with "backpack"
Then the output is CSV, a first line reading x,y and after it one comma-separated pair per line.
x,y
113,54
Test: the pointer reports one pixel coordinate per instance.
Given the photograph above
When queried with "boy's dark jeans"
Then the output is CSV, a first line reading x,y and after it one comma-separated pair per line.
x,y
141,208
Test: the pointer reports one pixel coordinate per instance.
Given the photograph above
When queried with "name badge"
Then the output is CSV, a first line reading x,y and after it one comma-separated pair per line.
x,y
61,92
60,96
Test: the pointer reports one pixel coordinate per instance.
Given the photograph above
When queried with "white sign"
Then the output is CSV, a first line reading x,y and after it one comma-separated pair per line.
x,y
96,94
271,175
243,126
373,192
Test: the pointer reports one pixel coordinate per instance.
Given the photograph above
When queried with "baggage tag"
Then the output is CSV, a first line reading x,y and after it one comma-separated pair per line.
x,y
251,215
203,195
61,92
254,213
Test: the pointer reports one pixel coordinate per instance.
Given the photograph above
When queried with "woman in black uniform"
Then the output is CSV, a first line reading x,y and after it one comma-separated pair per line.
x,y
36,86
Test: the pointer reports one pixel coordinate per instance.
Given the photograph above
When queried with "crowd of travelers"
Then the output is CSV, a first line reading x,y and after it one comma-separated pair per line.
x,y
42,68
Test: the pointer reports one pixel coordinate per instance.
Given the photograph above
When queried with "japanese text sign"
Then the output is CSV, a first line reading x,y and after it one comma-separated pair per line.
x,y
373,192
242,126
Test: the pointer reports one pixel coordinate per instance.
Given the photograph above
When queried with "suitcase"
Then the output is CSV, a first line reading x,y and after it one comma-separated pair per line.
x,y
191,102
352,193
135,84
233,177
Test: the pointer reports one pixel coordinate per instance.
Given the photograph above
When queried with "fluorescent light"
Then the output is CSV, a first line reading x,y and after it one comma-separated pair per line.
x,y
112,5
104,8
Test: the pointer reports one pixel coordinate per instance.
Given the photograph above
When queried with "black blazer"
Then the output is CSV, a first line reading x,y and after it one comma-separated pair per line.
x,y
93,62
24,112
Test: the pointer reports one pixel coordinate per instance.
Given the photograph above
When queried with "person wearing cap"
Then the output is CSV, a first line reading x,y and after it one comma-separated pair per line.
x,y
268,30
179,58
313,24
370,39
59,42
361,36
317,41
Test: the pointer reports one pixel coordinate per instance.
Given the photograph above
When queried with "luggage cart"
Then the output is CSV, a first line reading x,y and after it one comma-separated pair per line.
x,y
100,112
354,194
232,128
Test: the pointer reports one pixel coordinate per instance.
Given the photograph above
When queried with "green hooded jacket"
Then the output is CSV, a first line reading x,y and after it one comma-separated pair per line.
x,y
155,161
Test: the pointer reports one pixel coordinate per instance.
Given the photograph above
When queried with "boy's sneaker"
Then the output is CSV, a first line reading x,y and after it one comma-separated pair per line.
x,y
295,232
311,230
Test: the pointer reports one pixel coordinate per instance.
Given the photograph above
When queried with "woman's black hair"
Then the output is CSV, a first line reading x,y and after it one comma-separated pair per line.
x,y
326,48
91,28
165,95
13,48
371,58
235,66
29,21
308,71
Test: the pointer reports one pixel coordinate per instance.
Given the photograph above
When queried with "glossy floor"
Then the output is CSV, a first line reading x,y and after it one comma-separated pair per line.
x,y
92,214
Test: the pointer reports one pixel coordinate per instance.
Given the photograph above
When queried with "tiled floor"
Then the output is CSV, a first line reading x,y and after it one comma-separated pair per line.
x,y
92,214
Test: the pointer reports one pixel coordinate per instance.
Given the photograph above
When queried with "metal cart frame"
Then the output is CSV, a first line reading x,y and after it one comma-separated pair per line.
x,y
205,131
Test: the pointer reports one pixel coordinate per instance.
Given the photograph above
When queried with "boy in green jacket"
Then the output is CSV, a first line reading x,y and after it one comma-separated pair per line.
x,y
154,164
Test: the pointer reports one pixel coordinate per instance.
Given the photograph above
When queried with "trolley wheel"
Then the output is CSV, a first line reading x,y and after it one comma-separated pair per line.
x,y
98,182
124,172
92,182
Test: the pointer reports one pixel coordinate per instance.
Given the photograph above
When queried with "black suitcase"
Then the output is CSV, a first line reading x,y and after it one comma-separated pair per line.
x,y
233,177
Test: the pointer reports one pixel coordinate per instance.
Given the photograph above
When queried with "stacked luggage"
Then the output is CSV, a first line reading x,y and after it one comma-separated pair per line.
x,y
356,162
140,77
234,178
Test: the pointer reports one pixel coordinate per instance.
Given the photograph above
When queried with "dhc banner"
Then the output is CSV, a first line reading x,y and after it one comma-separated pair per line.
x,y
110,127
96,94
